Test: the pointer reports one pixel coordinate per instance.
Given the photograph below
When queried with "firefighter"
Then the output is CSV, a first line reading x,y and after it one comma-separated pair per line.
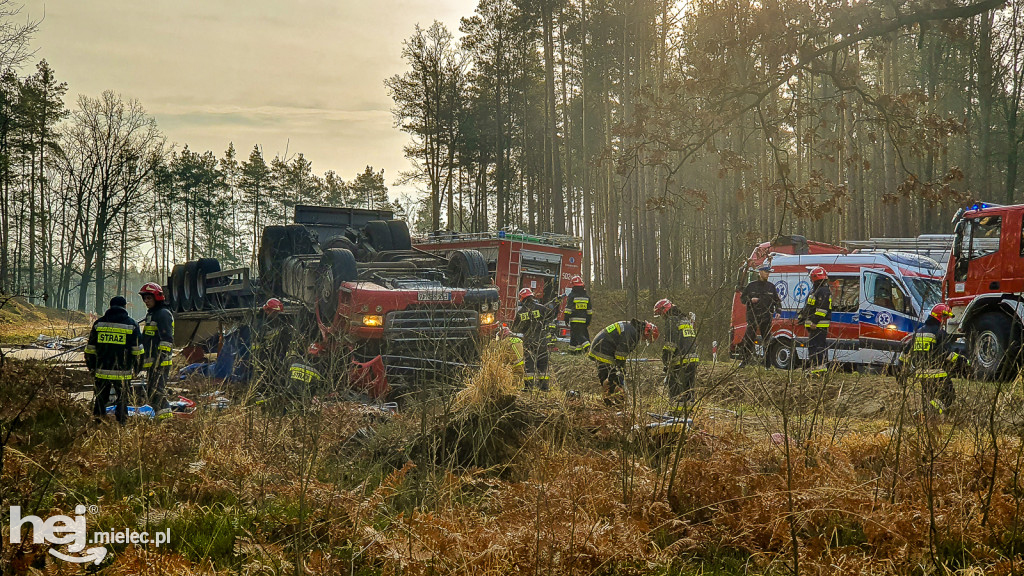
x,y
274,335
679,354
157,339
515,344
531,320
113,355
578,313
928,358
816,315
611,347
762,302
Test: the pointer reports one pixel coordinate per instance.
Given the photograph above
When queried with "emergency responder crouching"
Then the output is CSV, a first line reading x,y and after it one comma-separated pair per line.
x,y
113,356
762,302
679,354
531,320
611,347
816,315
578,312
929,357
157,339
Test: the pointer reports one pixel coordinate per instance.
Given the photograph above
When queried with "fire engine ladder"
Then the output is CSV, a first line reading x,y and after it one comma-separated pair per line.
x,y
514,269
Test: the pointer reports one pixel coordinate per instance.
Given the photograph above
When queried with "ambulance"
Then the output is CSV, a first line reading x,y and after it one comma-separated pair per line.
x,y
878,299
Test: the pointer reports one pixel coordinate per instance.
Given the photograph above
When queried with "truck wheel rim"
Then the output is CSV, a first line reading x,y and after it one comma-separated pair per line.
x,y
782,357
989,350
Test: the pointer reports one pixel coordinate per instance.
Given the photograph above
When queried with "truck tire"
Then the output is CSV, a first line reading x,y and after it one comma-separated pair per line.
x,y
400,237
379,234
337,265
274,246
204,266
990,345
339,241
781,354
468,269
188,291
173,292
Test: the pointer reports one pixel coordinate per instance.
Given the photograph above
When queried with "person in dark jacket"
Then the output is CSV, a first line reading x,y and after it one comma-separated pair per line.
x,y
610,349
816,316
679,354
578,312
274,336
113,355
531,320
762,302
928,358
158,340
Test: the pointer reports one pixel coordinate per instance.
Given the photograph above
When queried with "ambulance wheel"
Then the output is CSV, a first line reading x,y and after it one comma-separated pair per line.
x,y
990,342
781,354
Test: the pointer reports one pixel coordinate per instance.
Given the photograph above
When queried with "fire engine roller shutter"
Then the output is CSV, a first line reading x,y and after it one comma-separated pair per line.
x,y
542,263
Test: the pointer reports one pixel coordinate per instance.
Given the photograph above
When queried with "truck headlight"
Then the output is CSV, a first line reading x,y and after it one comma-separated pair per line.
x,y
487,318
373,320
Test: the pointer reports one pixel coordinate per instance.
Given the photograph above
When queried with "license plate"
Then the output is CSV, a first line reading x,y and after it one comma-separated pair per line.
x,y
434,296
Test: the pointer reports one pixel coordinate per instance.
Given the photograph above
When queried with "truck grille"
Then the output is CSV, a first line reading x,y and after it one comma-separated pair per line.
x,y
436,334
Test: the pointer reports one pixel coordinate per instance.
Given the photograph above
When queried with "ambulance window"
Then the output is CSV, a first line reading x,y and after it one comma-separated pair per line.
x,y
845,294
883,291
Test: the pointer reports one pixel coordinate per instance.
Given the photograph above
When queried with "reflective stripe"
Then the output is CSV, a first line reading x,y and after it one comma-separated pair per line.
x,y
520,363
115,327
617,357
930,373
600,357
138,350
303,373
670,348
103,374
149,330
90,349
578,320
164,346
543,377
821,312
148,364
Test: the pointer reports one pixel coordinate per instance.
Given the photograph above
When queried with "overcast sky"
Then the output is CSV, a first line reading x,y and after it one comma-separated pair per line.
x,y
302,75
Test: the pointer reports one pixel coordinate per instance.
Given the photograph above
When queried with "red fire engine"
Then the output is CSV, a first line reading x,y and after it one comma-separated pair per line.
x,y
545,263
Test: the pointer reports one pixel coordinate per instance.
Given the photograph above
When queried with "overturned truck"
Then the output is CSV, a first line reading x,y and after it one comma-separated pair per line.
x,y
385,314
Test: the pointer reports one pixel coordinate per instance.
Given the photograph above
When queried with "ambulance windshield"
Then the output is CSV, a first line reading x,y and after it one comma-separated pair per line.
x,y
927,291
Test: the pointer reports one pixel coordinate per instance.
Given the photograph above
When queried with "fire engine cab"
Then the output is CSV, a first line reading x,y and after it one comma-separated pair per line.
x,y
545,263
984,283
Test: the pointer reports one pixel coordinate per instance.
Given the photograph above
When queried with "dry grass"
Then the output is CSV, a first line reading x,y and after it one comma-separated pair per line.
x,y
494,481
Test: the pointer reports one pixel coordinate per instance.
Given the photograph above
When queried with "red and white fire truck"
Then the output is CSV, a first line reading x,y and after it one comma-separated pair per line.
x,y
545,263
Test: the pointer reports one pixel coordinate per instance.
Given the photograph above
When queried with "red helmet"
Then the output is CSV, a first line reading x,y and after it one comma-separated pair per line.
x,y
661,307
525,293
818,273
577,280
940,312
650,332
504,331
273,305
153,289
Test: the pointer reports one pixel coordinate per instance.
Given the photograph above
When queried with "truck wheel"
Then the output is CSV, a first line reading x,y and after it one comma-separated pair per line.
x,y
379,235
188,292
337,265
781,354
273,250
204,266
468,269
302,241
173,292
400,238
990,341
339,241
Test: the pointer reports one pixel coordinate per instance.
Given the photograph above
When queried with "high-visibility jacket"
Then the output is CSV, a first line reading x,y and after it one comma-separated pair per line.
x,y
158,337
817,311
680,340
929,352
578,309
516,343
531,319
115,346
615,343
